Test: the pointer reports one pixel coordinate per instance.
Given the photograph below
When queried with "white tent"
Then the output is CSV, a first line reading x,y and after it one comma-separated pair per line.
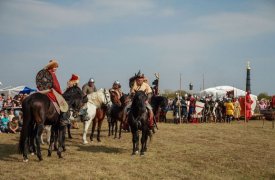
x,y
12,91
220,91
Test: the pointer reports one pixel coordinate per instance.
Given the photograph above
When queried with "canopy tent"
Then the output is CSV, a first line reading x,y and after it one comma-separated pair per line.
x,y
221,91
16,90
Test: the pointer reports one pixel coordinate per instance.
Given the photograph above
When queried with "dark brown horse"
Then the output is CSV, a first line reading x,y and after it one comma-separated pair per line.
x,y
38,111
160,108
117,113
138,120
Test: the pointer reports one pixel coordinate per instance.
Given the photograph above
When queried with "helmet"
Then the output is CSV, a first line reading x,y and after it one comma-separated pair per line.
x,y
91,80
117,82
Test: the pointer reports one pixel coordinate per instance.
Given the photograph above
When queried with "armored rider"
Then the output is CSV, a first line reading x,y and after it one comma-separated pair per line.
x,y
116,88
89,87
141,85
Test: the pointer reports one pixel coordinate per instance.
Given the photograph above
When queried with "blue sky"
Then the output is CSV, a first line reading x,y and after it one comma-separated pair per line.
x,y
112,39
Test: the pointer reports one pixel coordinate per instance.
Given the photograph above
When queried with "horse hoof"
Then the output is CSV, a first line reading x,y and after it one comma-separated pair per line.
x,y
40,159
32,153
70,137
25,160
85,142
98,140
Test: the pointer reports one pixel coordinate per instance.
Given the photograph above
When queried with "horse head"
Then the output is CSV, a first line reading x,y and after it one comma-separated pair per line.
x,y
75,99
105,97
138,104
115,98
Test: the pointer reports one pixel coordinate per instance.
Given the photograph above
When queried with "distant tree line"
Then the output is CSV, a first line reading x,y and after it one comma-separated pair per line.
x,y
264,95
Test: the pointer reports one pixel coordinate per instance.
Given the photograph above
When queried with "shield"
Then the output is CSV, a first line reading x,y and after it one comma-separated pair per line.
x,y
44,80
198,109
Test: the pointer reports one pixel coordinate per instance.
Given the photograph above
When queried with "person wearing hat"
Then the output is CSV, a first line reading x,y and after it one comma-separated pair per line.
x,y
141,85
73,81
52,68
116,88
89,87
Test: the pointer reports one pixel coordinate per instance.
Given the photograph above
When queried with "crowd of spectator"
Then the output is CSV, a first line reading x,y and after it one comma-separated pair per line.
x,y
11,114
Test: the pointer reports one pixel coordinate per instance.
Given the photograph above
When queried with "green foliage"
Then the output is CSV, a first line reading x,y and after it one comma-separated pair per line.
x,y
264,95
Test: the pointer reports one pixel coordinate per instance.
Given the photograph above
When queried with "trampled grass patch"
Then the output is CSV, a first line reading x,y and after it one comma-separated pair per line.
x,y
177,151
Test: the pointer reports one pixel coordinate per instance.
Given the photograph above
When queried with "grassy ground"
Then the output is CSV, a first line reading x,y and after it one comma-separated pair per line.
x,y
184,151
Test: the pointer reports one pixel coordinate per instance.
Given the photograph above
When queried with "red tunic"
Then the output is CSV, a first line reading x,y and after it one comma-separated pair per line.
x,y
56,86
248,102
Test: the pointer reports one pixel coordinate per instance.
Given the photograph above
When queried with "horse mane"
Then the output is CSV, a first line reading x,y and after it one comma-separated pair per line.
x,y
132,81
94,97
73,95
138,105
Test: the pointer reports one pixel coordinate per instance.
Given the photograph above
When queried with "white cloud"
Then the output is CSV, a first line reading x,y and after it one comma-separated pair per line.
x,y
238,24
21,17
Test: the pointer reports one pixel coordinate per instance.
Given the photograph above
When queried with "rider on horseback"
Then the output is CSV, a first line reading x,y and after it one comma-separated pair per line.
x,y
89,87
55,93
140,84
116,88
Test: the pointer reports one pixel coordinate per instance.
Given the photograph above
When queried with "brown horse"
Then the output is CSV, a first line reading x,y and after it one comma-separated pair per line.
x,y
99,117
117,113
38,111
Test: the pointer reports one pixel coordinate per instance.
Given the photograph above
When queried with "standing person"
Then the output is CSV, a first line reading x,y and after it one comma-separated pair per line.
x,y
248,103
89,87
229,110
192,106
237,109
140,85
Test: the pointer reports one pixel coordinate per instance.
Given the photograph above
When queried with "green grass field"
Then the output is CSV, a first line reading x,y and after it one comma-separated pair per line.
x,y
183,151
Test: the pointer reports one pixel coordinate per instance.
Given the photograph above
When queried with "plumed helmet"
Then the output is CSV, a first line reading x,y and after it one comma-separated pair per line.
x,y
91,80
139,75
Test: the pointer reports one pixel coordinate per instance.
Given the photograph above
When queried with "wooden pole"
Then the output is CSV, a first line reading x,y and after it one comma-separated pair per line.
x,y
180,100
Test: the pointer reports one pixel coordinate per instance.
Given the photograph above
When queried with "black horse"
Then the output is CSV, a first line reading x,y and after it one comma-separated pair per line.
x,y
117,114
160,107
38,111
138,120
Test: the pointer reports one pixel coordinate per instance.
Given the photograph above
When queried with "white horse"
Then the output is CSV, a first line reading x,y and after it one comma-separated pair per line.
x,y
95,100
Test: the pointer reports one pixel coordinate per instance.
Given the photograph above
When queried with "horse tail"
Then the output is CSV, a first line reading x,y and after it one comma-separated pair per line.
x,y
24,134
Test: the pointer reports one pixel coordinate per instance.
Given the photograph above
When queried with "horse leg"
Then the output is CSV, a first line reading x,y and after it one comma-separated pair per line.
x,y
52,140
99,129
61,133
120,127
135,142
86,125
115,129
69,131
39,129
109,126
143,141
93,129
